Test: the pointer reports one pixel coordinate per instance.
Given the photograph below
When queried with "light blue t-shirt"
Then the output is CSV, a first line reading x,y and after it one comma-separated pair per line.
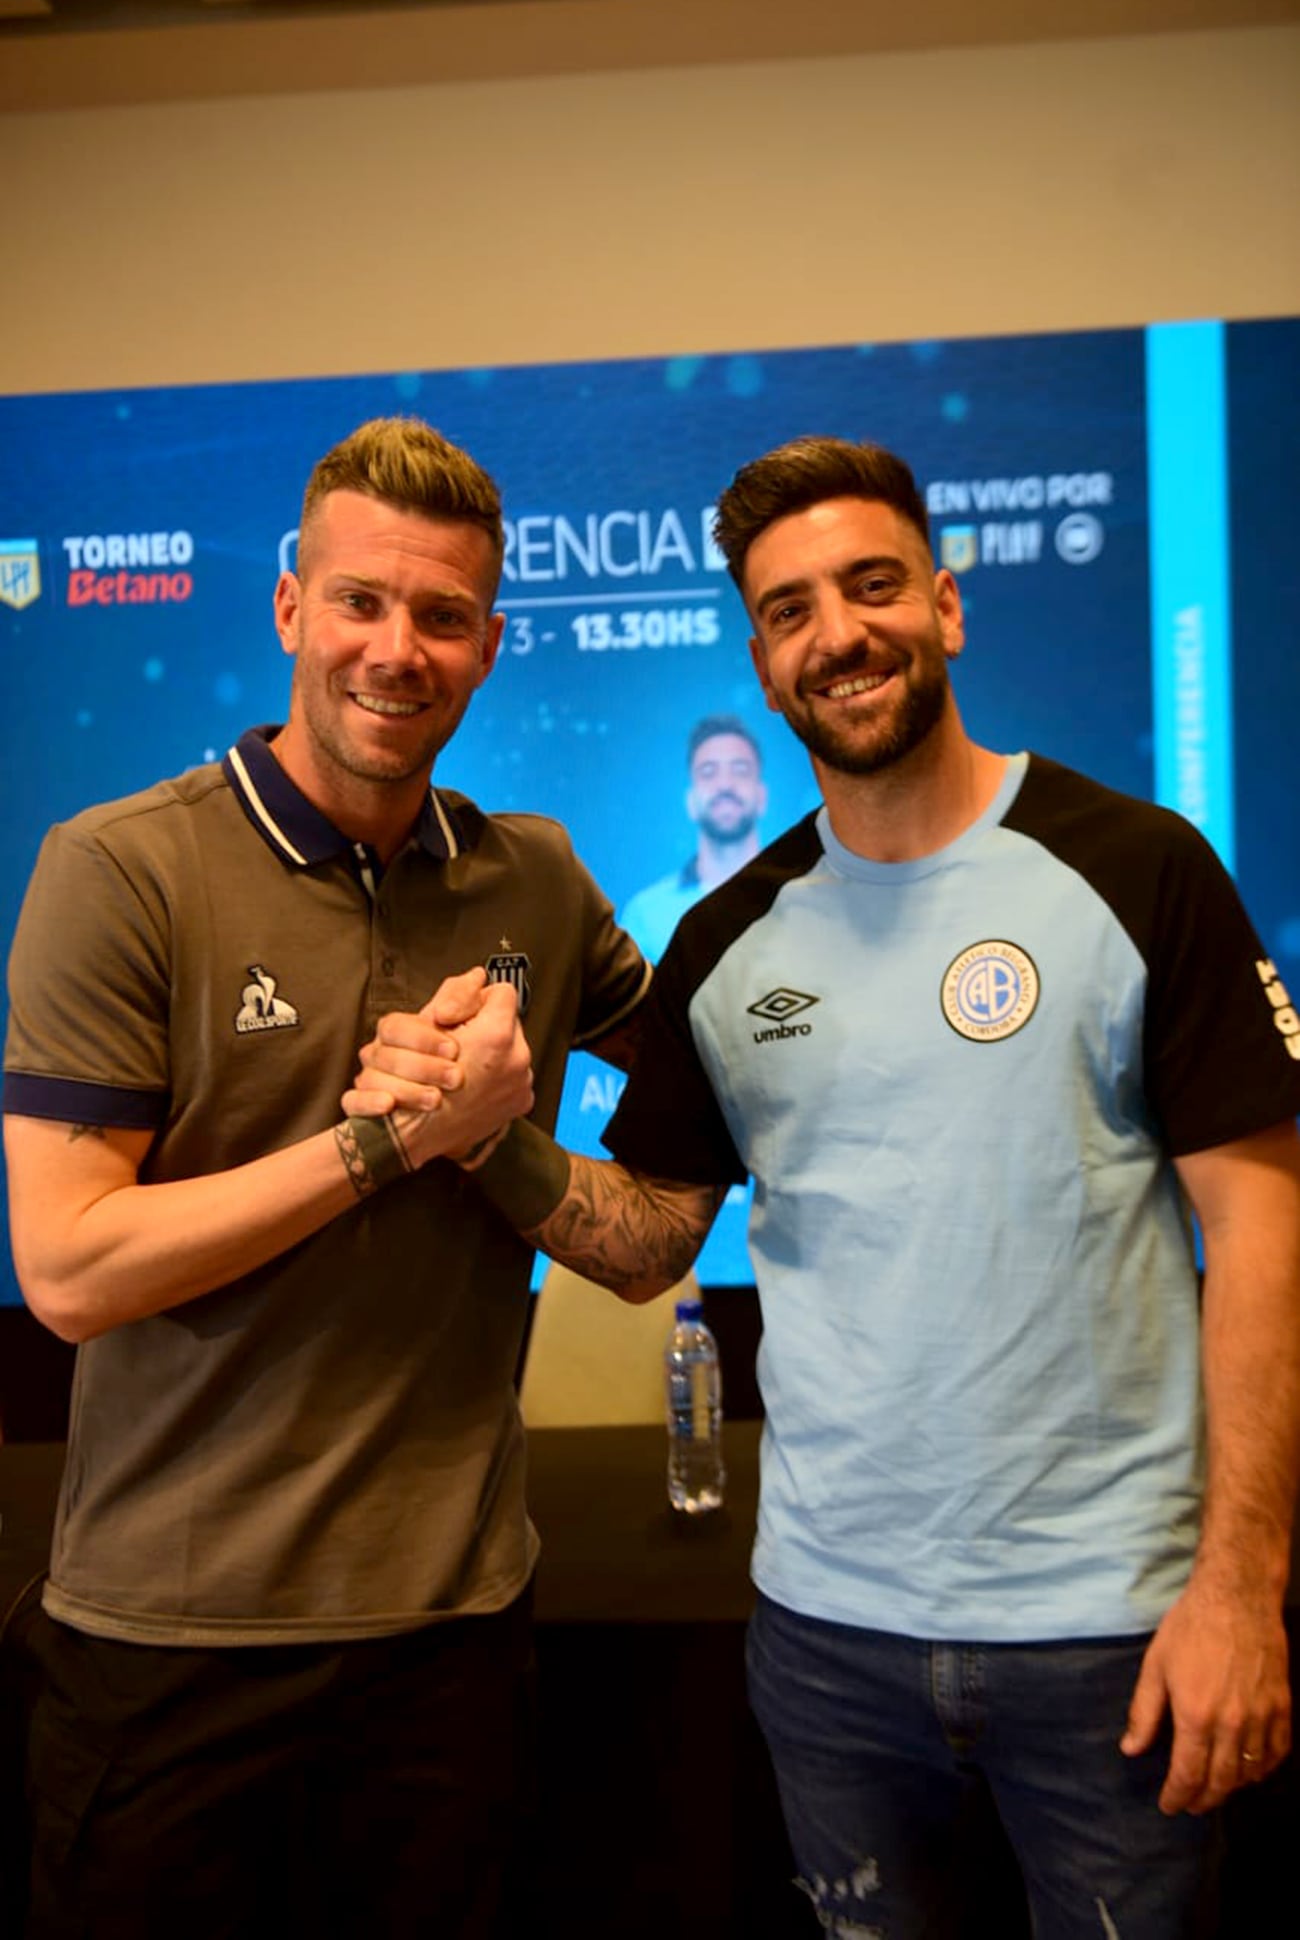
x,y
958,1084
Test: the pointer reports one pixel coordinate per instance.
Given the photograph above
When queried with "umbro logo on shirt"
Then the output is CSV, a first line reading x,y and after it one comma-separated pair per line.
x,y
778,1007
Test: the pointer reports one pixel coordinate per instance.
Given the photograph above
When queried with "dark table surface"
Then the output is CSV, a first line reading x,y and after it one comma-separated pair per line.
x,y
642,1718
640,1611
612,1549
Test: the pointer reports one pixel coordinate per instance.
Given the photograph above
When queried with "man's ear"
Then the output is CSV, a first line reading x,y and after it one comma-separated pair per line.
x,y
288,606
492,639
952,621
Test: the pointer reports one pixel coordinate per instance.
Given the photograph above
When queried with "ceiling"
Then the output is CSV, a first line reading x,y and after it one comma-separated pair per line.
x,y
87,53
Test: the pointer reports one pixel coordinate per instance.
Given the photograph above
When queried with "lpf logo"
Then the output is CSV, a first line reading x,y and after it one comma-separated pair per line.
x,y
959,548
20,572
990,991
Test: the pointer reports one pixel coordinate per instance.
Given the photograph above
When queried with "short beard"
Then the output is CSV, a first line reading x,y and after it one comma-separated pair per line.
x,y
393,769
914,721
737,832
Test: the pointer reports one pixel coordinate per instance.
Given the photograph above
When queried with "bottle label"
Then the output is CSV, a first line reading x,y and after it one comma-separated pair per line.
x,y
701,1414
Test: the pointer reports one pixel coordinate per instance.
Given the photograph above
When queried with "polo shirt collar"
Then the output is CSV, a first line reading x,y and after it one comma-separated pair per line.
x,y
295,828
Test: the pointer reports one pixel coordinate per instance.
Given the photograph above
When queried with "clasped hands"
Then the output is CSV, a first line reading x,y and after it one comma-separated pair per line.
x,y
452,1075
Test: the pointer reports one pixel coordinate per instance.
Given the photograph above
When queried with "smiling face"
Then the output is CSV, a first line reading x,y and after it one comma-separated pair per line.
x,y
854,631
726,795
392,630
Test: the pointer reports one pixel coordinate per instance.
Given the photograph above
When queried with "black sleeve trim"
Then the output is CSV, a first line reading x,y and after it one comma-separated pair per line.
x,y
590,1040
1216,1068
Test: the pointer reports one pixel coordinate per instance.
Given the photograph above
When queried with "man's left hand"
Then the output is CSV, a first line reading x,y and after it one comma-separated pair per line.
x,y
1219,1662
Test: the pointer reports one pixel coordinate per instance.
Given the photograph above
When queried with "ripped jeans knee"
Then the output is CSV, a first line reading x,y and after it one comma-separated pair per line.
x,y
842,1905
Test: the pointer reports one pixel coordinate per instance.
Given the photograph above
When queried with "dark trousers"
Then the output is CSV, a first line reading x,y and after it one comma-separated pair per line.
x,y
373,1788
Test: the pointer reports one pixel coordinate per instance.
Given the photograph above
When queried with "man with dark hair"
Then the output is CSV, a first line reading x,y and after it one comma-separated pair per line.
x,y
808,472
725,799
283,1661
982,1031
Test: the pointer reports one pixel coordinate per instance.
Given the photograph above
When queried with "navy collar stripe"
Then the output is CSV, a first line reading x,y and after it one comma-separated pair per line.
x,y
293,827
255,808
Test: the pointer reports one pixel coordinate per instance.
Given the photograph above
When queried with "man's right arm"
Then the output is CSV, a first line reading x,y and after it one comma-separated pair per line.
x,y
635,1232
94,1247
631,1232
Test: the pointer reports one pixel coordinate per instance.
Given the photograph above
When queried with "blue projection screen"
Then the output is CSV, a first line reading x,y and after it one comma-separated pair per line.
x,y
1118,506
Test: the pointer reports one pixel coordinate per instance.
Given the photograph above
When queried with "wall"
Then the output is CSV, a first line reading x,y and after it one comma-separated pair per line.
x,y
882,196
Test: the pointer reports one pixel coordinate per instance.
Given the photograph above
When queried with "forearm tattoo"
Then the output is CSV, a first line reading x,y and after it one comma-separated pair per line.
x,y
621,1230
373,1153
614,1226
354,1161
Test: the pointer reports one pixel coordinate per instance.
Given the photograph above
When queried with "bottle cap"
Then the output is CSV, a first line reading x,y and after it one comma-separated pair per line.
x,y
690,1310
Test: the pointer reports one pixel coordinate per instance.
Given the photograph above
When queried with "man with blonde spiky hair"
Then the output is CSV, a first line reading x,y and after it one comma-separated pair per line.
x,y
412,467
282,1663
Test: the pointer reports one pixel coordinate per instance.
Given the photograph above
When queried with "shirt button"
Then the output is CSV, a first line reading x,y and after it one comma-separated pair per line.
x,y
388,965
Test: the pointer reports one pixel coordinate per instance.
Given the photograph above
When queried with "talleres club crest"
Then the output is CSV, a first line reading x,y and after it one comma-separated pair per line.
x,y
511,966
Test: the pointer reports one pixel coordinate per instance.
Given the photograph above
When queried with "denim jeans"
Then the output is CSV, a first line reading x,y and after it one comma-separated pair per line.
x,y
878,1739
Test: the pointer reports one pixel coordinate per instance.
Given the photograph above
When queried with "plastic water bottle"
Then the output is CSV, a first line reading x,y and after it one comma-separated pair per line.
x,y
693,1390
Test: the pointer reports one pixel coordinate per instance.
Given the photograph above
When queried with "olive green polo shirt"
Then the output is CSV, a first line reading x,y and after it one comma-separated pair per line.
x,y
328,1447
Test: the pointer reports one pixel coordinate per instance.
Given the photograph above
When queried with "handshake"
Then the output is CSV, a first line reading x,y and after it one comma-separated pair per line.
x,y
451,1078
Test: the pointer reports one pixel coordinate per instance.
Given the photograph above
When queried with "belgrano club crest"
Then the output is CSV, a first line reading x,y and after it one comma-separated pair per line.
x,y
511,966
990,991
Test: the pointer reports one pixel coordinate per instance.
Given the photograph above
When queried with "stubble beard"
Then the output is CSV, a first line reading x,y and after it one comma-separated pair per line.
x,y
727,833
326,725
853,751
372,766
